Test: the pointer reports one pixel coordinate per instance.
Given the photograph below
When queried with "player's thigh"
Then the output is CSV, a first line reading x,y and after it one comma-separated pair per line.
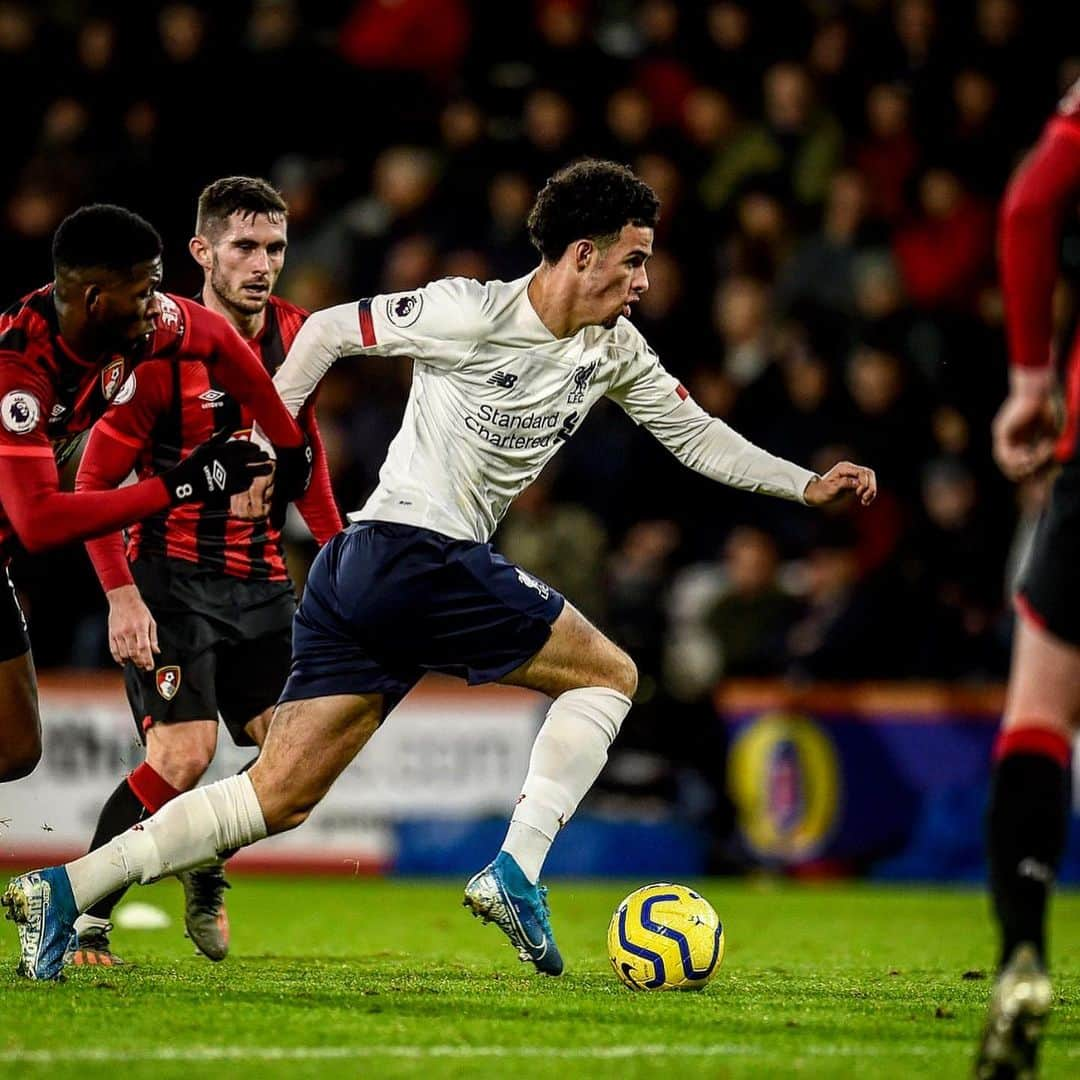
x,y
20,722
311,741
1044,680
181,752
576,655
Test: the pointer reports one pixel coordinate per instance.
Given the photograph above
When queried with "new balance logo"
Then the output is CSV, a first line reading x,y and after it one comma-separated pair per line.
x,y
503,379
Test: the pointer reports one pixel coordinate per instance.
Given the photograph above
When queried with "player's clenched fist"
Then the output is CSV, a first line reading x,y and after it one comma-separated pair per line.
x,y
842,478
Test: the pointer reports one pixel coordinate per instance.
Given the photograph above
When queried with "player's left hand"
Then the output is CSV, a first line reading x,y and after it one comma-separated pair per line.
x,y
132,629
842,478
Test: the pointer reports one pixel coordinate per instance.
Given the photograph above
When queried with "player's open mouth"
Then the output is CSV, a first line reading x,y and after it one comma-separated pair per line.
x,y
256,290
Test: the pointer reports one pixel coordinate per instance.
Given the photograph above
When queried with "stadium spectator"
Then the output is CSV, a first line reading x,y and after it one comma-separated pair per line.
x,y
846,158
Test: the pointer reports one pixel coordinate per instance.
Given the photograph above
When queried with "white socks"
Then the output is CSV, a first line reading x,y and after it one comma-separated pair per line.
x,y
567,757
188,831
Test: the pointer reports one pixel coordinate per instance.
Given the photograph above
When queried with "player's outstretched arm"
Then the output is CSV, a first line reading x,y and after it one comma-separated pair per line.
x,y
704,443
44,517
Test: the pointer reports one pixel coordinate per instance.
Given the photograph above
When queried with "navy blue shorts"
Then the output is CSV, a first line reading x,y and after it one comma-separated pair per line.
x,y
385,603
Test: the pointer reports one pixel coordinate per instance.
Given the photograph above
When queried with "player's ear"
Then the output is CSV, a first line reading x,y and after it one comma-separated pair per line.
x,y
91,297
200,252
583,251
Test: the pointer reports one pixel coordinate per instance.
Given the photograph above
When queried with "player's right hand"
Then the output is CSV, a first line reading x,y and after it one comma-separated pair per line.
x,y
132,629
1025,428
216,469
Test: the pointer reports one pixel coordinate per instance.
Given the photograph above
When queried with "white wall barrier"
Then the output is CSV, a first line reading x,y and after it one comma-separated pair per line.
x,y
447,751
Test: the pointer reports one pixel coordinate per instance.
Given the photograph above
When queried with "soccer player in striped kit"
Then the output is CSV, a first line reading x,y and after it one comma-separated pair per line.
x,y
68,351
1029,803
200,603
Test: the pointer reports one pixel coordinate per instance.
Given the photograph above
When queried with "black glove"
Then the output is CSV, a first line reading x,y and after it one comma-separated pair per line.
x,y
215,470
292,474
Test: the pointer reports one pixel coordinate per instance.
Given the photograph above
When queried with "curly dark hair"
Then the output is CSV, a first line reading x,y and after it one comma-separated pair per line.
x,y
589,199
104,236
248,195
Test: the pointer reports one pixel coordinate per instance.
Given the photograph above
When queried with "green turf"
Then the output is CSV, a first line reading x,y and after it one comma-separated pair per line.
x,y
392,978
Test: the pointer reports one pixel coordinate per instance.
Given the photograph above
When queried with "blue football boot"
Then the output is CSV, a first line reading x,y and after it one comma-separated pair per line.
x,y
42,906
502,894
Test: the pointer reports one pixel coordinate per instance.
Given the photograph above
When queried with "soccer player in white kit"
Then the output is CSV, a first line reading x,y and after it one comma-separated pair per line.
x,y
503,374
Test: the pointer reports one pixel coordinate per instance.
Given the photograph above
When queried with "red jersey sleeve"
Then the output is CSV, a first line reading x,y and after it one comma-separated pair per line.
x,y
317,505
213,340
42,515
1040,192
25,401
113,450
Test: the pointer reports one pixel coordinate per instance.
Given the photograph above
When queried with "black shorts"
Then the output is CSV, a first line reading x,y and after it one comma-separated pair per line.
x,y
14,640
1049,591
225,644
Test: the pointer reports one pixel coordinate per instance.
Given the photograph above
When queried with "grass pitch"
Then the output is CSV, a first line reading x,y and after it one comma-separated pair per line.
x,y
357,977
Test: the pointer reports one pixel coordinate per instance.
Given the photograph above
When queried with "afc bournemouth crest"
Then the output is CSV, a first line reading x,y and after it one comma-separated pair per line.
x,y
112,375
168,681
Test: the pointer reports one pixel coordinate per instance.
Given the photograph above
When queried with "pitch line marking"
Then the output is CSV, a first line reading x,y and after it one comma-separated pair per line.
x,y
91,1055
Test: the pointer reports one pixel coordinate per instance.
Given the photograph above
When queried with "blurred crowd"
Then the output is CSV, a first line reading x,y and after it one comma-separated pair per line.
x,y
824,273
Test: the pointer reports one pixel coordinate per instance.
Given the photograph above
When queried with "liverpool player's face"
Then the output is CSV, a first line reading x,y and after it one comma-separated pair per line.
x,y
246,261
616,279
125,306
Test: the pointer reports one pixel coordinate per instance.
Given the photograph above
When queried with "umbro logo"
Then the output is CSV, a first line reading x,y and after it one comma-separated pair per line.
x,y
503,379
212,399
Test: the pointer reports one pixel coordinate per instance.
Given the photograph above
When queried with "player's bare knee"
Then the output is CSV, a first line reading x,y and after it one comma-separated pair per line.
x,y
181,766
622,674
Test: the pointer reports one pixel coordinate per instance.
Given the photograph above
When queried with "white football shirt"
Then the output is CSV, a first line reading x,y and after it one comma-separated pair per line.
x,y
494,396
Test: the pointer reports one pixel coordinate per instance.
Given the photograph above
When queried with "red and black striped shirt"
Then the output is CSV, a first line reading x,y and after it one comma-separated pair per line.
x,y
174,408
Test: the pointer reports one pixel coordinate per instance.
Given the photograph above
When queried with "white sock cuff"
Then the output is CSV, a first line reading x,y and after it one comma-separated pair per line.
x,y
238,817
605,707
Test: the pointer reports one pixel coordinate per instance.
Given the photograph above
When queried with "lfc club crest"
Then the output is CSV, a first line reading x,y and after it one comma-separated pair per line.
x,y
168,681
112,375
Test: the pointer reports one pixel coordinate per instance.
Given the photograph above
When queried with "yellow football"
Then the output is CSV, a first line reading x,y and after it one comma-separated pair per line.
x,y
665,937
